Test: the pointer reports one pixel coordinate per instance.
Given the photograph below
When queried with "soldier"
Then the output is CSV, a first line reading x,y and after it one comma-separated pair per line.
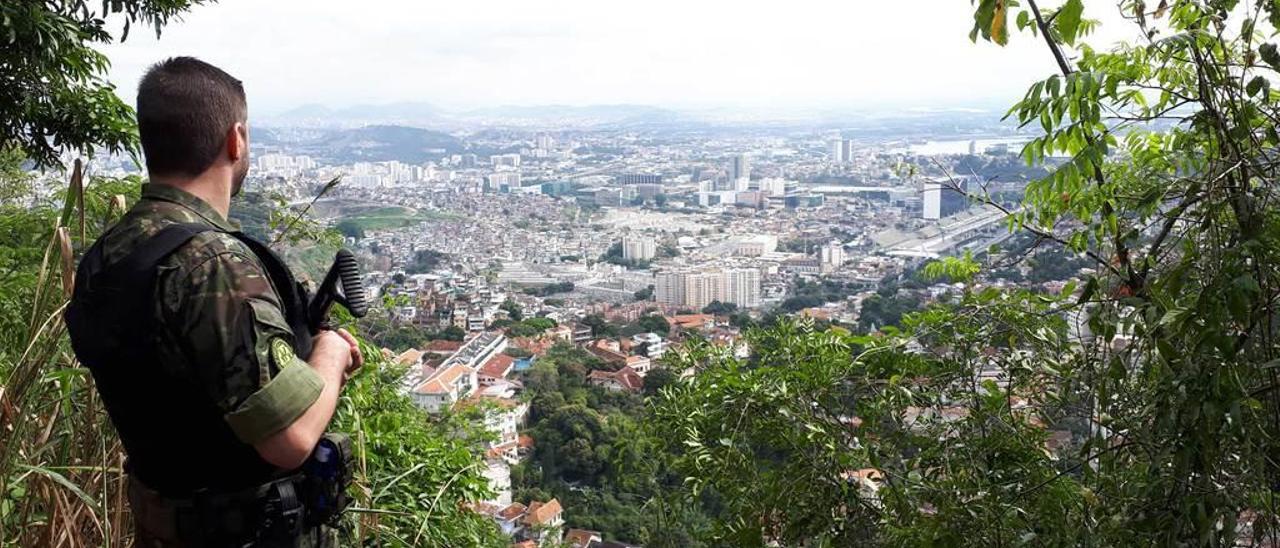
x,y
196,335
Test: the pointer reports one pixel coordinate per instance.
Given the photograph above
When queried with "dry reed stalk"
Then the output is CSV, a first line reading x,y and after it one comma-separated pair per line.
x,y
63,237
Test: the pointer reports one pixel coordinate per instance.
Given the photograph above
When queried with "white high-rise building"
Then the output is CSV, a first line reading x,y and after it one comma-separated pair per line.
x,y
835,151
283,163
511,160
741,286
545,142
639,248
932,201
831,257
504,181
773,186
939,200
696,289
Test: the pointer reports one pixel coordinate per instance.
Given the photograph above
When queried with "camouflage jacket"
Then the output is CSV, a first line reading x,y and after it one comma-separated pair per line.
x,y
222,320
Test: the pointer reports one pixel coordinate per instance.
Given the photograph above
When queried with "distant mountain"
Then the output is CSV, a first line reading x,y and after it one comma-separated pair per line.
x,y
617,115
383,143
264,136
390,113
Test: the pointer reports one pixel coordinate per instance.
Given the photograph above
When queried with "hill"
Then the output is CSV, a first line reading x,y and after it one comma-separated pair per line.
x,y
382,143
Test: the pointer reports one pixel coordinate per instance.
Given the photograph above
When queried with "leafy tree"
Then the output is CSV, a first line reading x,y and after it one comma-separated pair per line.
x,y
741,320
600,327
424,261
879,311
513,310
350,229
654,323
550,289
531,327
808,294
452,333
718,308
645,294
589,453
657,379
53,92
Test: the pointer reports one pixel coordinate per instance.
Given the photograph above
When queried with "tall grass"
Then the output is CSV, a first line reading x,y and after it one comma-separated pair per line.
x,y
61,476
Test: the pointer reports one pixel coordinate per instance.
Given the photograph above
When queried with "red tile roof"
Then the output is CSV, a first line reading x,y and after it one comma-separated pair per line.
x,y
630,379
443,380
443,346
625,377
497,367
542,513
409,357
580,538
513,511
500,449
690,320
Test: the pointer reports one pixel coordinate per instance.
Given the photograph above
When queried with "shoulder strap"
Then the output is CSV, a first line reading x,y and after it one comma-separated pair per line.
x,y
292,294
118,291
140,263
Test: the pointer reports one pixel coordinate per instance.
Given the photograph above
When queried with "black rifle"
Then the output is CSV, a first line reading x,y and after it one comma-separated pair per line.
x,y
350,293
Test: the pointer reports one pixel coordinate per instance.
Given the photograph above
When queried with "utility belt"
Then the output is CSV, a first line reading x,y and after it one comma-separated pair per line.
x,y
275,513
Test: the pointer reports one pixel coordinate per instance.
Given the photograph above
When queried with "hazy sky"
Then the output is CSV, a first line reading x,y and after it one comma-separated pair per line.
x,y
680,53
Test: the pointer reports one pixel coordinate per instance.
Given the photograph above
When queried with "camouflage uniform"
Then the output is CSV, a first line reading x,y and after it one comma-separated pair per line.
x,y
210,293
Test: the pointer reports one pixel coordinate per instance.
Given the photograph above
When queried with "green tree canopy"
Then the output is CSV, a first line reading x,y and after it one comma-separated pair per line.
x,y
54,95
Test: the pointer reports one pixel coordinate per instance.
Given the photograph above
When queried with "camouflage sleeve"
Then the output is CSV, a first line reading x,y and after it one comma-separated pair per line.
x,y
227,322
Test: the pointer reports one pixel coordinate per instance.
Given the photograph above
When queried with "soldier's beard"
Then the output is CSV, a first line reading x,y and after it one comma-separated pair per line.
x,y
237,182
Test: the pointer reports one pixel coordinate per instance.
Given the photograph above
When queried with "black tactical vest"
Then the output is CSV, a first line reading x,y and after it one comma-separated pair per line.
x,y
176,438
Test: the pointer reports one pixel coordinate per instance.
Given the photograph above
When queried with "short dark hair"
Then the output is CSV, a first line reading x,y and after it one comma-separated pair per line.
x,y
185,108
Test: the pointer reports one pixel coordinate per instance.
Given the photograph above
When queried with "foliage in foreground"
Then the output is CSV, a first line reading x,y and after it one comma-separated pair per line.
x,y
416,477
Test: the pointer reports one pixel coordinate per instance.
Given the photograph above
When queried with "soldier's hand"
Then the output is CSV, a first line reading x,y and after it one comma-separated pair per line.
x,y
334,353
357,359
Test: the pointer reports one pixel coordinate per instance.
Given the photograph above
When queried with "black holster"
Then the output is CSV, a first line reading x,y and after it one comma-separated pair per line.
x,y
326,475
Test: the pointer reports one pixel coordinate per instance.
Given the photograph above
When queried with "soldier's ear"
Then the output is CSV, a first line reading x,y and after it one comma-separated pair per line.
x,y
237,142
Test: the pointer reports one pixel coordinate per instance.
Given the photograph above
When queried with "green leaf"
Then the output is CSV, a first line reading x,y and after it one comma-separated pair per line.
x,y
1024,20
1090,288
1255,85
1270,55
1068,21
